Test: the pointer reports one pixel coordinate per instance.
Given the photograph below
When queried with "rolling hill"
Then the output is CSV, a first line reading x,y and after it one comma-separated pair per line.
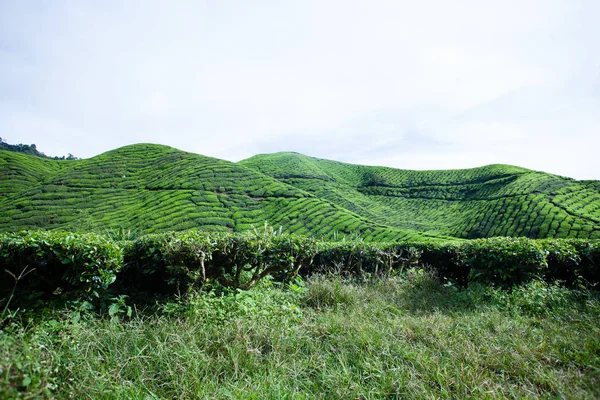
x,y
495,200
153,188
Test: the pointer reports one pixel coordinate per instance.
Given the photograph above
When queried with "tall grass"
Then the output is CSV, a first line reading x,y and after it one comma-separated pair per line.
x,y
328,338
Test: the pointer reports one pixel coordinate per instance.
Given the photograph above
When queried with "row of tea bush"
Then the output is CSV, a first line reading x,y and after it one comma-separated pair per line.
x,y
55,264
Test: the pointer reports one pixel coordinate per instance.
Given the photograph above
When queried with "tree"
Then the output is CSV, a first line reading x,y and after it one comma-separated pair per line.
x,y
30,149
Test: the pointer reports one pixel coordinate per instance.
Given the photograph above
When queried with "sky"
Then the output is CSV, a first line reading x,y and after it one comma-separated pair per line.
x,y
429,84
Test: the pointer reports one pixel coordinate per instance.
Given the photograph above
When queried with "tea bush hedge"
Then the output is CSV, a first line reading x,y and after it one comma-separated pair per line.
x,y
59,263
74,265
178,262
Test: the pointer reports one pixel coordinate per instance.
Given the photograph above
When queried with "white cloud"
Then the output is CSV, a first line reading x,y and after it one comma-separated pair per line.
x,y
414,84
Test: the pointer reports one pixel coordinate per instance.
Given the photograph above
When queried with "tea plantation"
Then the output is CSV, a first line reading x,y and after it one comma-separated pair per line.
x,y
149,272
152,188
495,200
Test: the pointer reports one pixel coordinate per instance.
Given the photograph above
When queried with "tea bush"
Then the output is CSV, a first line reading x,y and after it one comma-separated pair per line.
x,y
65,265
60,264
505,261
178,262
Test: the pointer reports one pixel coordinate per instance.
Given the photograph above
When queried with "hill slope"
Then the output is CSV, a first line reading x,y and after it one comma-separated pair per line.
x,y
495,200
152,188
19,172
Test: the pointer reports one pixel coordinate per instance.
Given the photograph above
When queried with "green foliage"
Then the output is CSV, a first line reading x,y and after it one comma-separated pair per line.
x,y
6,312
542,299
505,261
589,254
153,189
407,337
121,234
180,262
495,200
509,261
447,258
330,291
119,308
217,304
357,257
101,268
60,264
498,261
31,150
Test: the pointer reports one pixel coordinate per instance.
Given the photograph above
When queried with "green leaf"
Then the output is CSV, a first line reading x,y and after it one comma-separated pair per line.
x,y
113,309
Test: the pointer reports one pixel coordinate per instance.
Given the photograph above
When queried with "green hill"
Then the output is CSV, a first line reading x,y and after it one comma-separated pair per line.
x,y
19,172
495,200
153,188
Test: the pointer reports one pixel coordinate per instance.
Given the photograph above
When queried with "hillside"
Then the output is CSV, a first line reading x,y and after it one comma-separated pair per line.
x,y
20,172
495,200
152,188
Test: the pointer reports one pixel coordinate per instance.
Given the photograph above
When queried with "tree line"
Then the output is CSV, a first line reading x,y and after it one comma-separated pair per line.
x,y
31,149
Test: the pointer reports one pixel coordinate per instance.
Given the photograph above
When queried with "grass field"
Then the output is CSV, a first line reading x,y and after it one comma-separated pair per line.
x,y
329,338
153,188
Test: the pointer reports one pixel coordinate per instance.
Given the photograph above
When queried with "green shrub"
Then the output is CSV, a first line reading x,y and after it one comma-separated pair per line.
x,y
178,262
447,259
85,266
166,262
506,261
589,265
69,265
563,259
357,257
541,299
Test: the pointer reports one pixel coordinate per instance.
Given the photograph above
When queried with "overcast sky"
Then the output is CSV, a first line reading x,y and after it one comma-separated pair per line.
x,y
425,84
